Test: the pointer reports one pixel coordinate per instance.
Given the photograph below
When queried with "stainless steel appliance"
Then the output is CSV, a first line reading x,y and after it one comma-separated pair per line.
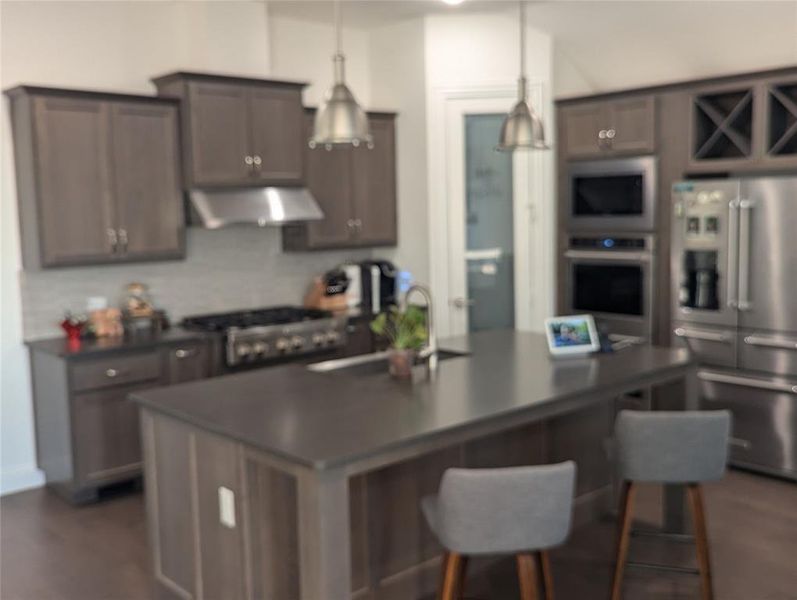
x,y
266,335
372,284
612,277
734,265
612,195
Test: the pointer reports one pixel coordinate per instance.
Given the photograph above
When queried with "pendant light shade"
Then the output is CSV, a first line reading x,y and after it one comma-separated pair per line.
x,y
340,119
522,129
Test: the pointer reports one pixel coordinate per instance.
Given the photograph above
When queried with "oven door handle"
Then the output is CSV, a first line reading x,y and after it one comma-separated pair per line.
x,y
769,342
762,384
608,256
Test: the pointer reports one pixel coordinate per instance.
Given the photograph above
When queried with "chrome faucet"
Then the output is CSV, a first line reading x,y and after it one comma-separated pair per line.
x,y
429,353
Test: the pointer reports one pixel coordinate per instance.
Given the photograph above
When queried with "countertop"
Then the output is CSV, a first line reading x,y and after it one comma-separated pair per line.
x,y
326,420
93,346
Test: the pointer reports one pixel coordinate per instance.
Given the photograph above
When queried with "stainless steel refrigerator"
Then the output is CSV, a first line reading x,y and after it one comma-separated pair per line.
x,y
734,304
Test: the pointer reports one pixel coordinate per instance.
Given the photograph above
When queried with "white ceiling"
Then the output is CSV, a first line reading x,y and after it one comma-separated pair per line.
x,y
602,45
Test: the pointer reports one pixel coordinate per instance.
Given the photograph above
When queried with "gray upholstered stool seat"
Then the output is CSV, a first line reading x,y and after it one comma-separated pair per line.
x,y
517,510
670,448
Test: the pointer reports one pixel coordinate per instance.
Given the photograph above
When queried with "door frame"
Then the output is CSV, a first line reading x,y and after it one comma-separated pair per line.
x,y
534,217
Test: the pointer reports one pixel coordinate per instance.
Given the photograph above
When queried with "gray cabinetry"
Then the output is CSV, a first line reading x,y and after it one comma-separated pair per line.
x,y
87,430
609,127
238,131
97,177
356,189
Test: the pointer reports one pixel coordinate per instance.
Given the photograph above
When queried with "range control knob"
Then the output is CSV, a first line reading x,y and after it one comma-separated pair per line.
x,y
283,344
332,336
297,341
260,347
319,338
243,350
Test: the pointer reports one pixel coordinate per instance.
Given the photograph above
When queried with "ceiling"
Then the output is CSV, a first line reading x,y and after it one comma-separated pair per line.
x,y
601,45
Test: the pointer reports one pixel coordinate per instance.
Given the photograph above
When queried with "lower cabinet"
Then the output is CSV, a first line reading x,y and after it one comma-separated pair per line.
x,y
87,431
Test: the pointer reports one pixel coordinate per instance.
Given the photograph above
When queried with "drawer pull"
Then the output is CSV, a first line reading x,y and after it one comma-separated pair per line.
x,y
740,443
763,384
760,340
708,336
183,353
112,373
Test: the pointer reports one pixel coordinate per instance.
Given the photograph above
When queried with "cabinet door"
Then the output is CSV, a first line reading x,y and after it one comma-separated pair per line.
x,y
187,362
581,125
147,180
219,136
329,174
634,124
72,142
374,186
276,127
106,434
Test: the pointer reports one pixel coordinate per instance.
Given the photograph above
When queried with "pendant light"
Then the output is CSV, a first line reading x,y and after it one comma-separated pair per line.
x,y
340,120
522,128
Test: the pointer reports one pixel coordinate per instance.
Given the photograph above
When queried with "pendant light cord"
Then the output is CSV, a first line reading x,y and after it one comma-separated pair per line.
x,y
522,38
338,40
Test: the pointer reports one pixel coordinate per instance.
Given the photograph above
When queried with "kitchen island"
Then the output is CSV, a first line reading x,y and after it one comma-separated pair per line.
x,y
287,483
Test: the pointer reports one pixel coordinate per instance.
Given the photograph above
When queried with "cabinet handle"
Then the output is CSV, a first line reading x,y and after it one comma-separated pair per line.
x,y
358,223
740,443
112,373
602,134
257,161
183,353
351,224
248,160
123,240
113,240
610,133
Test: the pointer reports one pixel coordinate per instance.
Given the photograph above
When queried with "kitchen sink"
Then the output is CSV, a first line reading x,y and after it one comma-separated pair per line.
x,y
369,364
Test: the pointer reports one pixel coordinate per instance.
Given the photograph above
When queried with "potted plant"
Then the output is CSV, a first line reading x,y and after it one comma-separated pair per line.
x,y
405,331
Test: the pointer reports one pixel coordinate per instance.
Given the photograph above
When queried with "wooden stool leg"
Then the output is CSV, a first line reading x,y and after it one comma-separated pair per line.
x,y
527,576
547,576
454,566
701,540
625,518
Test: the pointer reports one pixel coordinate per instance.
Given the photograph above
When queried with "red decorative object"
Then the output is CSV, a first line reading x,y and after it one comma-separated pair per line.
x,y
73,329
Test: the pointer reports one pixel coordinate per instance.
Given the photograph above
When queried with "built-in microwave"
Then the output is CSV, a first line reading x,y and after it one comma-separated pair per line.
x,y
612,195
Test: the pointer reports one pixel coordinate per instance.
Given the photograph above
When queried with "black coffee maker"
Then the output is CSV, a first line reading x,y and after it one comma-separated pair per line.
x,y
378,281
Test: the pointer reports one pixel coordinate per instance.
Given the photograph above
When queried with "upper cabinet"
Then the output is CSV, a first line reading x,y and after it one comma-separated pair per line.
x,y
98,178
746,125
598,128
238,131
356,189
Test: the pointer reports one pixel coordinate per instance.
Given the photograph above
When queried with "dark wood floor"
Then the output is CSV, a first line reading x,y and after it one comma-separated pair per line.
x,y
50,550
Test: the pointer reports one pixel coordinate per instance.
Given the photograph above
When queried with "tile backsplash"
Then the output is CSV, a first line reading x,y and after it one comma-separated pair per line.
x,y
226,269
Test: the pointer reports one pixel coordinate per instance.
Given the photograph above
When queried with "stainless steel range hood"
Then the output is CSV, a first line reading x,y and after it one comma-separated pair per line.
x,y
264,206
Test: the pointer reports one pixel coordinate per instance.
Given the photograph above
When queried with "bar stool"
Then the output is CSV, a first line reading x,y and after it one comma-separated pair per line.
x,y
517,510
669,448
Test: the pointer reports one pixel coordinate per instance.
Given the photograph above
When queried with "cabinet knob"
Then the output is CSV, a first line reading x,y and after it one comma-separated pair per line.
x,y
602,134
350,223
183,353
248,160
257,160
111,373
610,133
123,240
113,240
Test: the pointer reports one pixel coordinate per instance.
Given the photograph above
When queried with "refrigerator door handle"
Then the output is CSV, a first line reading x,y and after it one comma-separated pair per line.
x,y
762,384
770,342
745,210
708,336
733,253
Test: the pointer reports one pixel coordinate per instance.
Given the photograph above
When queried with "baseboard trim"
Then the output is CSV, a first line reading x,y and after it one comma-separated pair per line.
x,y
20,479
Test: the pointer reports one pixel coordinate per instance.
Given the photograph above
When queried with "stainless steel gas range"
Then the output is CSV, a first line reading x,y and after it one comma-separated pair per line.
x,y
270,335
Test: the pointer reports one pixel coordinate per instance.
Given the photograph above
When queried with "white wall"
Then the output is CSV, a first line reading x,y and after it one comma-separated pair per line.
x,y
397,60
303,50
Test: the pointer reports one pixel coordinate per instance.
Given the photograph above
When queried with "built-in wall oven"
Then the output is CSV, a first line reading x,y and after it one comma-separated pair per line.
x,y
612,278
612,195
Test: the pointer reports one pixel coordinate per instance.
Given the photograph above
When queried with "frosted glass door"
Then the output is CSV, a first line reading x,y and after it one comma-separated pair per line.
x,y
489,239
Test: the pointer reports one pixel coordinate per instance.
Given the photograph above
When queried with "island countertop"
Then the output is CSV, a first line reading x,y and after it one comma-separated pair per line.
x,y
327,420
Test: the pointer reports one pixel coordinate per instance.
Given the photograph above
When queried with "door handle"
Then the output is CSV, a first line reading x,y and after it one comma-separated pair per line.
x,y
462,302
745,214
733,253
708,336
760,340
762,384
